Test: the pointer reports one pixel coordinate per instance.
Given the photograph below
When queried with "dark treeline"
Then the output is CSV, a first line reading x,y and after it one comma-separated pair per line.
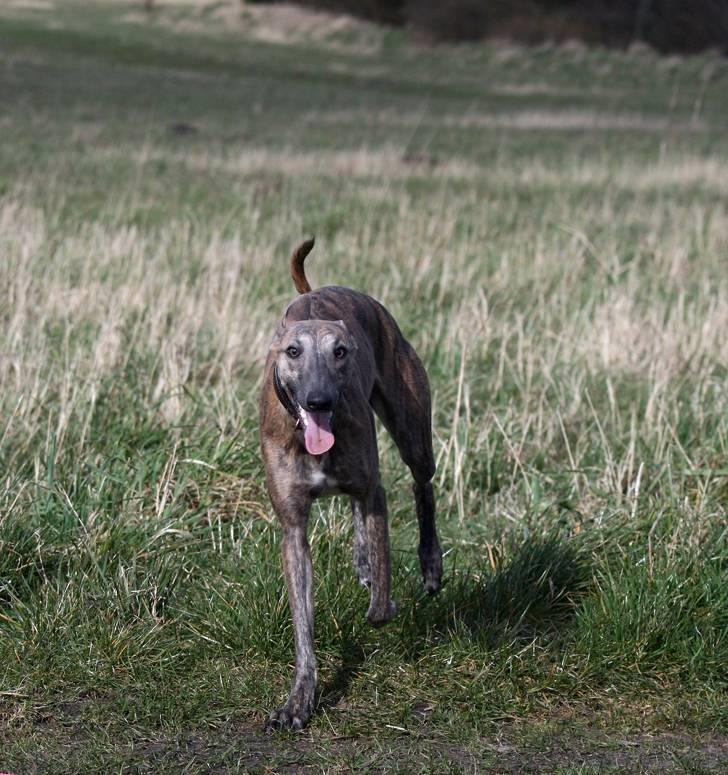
x,y
667,25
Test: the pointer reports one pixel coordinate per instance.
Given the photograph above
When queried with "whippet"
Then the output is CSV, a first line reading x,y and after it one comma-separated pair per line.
x,y
336,356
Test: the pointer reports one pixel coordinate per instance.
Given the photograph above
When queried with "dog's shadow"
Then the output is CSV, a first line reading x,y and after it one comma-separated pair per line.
x,y
528,590
337,688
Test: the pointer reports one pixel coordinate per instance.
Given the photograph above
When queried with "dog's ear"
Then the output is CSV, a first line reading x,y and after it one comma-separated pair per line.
x,y
279,332
352,340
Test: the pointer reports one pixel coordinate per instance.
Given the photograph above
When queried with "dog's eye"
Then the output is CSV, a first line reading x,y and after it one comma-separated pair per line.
x,y
339,353
293,352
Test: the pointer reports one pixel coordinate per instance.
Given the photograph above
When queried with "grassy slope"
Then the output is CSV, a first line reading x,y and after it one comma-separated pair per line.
x,y
550,229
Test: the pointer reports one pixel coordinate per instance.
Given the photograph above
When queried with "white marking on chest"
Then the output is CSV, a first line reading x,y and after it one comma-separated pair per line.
x,y
319,481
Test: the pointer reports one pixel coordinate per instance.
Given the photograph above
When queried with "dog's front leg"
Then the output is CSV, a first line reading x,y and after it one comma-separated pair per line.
x,y
298,570
381,607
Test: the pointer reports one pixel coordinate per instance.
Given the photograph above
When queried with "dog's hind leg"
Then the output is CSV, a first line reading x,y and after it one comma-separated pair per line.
x,y
405,411
429,550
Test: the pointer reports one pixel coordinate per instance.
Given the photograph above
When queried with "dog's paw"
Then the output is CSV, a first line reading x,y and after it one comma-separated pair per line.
x,y
378,616
433,582
284,719
297,711
432,572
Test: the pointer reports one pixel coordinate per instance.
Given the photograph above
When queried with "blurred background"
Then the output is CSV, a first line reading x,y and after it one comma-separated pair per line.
x,y
667,25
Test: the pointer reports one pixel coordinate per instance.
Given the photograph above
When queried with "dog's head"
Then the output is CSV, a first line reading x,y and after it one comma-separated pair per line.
x,y
313,363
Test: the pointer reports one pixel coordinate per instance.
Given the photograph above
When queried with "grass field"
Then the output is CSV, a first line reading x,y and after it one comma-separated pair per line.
x,y
550,229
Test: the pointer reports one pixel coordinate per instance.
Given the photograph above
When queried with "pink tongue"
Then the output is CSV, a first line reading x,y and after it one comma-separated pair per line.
x,y
317,433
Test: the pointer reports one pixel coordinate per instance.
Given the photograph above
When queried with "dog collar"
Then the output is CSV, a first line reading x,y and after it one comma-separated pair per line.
x,y
283,396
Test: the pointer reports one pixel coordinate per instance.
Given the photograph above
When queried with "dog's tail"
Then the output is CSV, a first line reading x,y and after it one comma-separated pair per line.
x,y
297,259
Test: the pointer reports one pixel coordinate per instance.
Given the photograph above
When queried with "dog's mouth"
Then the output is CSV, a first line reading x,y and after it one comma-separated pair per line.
x,y
317,434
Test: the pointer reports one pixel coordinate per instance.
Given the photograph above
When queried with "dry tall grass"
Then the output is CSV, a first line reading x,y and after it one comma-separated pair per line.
x,y
538,309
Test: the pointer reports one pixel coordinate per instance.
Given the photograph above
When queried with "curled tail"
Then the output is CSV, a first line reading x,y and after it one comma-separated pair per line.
x,y
297,259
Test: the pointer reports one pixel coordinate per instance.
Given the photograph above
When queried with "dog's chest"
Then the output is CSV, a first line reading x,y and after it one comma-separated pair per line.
x,y
321,481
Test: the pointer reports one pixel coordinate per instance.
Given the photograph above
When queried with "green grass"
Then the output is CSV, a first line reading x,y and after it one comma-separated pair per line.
x,y
548,227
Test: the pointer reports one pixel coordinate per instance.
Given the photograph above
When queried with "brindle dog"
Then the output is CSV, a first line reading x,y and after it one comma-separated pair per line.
x,y
338,354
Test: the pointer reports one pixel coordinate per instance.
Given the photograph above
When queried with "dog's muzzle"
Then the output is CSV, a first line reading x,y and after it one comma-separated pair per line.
x,y
317,434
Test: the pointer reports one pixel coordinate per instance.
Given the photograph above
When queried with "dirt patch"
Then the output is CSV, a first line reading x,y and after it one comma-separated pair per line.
x,y
241,746
665,752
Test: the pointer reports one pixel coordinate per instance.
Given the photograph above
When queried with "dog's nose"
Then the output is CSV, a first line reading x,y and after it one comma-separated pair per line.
x,y
319,402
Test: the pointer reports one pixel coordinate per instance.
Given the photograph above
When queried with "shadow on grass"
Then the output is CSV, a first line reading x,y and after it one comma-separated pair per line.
x,y
532,593
335,690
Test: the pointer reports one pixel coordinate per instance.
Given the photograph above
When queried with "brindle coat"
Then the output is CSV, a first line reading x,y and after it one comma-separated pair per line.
x,y
341,350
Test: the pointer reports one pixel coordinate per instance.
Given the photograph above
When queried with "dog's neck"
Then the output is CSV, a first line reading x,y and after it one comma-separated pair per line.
x,y
283,396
